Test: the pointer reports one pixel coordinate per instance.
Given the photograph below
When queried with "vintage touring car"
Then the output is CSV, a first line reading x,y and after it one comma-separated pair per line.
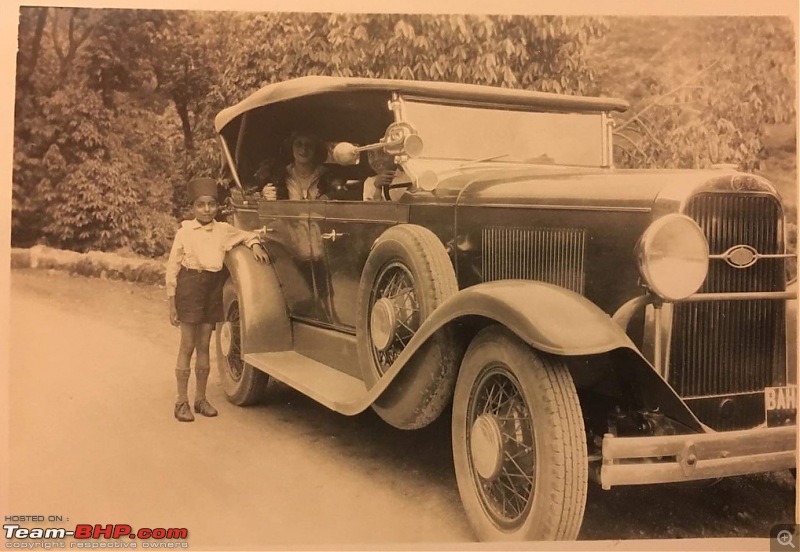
x,y
583,323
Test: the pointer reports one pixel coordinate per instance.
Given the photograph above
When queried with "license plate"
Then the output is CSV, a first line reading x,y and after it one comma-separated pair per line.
x,y
780,404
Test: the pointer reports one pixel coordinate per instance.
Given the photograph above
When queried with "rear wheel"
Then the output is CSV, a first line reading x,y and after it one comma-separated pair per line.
x,y
519,445
243,384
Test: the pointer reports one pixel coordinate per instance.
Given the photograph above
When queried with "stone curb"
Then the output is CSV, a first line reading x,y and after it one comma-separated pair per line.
x,y
94,264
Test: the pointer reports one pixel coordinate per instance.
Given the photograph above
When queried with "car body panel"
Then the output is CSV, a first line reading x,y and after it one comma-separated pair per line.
x,y
349,229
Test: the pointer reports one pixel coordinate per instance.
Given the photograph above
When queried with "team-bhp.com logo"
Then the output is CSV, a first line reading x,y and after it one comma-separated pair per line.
x,y
87,536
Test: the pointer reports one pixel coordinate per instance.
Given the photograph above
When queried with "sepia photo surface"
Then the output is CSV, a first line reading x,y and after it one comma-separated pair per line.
x,y
462,275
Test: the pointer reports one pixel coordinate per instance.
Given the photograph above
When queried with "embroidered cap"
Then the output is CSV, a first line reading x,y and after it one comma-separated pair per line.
x,y
201,187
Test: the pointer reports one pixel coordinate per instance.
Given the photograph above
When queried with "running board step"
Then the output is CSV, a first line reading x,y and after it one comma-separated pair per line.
x,y
332,388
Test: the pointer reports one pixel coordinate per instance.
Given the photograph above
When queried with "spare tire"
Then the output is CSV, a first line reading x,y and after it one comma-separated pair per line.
x,y
408,274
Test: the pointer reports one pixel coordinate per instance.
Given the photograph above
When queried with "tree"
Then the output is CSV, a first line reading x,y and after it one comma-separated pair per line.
x,y
542,52
84,164
128,118
703,90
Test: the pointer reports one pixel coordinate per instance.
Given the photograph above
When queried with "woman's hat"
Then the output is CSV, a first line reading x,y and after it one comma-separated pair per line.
x,y
202,187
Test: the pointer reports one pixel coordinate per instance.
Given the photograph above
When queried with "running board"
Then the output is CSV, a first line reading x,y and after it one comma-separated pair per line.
x,y
328,386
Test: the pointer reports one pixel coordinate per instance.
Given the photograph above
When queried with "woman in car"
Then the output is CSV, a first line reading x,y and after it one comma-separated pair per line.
x,y
305,177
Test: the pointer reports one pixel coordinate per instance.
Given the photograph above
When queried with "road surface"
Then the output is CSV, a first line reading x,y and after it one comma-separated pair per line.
x,y
92,438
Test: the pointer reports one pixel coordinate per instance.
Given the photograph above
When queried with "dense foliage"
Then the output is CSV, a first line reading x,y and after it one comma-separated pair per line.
x,y
115,108
702,90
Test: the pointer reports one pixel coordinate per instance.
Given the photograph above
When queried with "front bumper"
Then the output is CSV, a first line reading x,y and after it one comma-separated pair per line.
x,y
672,458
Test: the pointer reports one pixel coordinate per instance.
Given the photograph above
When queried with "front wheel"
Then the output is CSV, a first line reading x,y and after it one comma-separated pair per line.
x,y
519,445
243,384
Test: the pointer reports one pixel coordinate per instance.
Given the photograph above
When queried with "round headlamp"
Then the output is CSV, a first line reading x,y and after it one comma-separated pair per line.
x,y
673,257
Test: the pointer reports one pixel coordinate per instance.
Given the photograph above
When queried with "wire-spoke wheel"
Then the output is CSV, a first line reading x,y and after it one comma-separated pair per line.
x,y
234,362
242,383
501,446
518,441
408,274
395,314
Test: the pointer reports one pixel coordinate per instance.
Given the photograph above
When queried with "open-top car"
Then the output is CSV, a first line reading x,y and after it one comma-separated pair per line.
x,y
583,323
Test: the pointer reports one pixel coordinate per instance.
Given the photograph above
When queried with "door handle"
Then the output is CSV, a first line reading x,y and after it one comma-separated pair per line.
x,y
263,231
332,235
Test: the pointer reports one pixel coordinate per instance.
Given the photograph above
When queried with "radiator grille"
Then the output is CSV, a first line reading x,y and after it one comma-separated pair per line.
x,y
552,255
726,347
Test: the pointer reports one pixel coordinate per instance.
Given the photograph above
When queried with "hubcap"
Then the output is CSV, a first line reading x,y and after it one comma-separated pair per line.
x,y
487,447
226,338
383,323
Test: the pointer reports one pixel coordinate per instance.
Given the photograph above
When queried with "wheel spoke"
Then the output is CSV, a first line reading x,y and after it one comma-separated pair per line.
x,y
514,493
521,473
519,443
504,497
406,326
527,478
514,462
507,400
400,291
497,496
524,450
388,290
490,399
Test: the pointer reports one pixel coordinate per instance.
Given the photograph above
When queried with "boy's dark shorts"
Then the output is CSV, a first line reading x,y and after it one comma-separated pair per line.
x,y
198,296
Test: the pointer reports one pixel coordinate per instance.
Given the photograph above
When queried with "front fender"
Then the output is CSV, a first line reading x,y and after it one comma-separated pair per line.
x,y
263,316
553,320
550,318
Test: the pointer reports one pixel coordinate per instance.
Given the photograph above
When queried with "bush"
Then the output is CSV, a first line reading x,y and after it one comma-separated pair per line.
x,y
95,264
96,207
20,258
155,235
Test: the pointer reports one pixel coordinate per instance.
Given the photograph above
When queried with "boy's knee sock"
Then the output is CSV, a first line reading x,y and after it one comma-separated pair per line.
x,y
201,373
182,375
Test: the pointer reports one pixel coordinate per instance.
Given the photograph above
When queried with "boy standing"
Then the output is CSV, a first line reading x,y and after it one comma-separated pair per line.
x,y
194,286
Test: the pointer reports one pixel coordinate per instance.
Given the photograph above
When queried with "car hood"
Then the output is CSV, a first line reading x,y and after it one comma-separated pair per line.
x,y
569,186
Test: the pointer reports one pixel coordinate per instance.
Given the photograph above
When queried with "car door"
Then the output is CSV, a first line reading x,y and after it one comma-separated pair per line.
x,y
288,240
347,230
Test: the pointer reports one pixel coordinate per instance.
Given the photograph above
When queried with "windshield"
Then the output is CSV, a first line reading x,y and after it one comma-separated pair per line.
x,y
504,136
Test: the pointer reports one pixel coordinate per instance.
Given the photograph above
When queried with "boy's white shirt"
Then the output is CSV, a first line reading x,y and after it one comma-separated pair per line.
x,y
203,247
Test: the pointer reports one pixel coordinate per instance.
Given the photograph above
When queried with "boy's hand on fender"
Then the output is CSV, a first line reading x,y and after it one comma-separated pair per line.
x,y
173,312
260,254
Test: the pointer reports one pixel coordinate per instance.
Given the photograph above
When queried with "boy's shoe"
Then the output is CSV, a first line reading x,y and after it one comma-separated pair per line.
x,y
183,413
204,407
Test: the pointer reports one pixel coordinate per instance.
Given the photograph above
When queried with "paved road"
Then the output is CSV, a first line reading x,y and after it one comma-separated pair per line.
x,y
92,438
